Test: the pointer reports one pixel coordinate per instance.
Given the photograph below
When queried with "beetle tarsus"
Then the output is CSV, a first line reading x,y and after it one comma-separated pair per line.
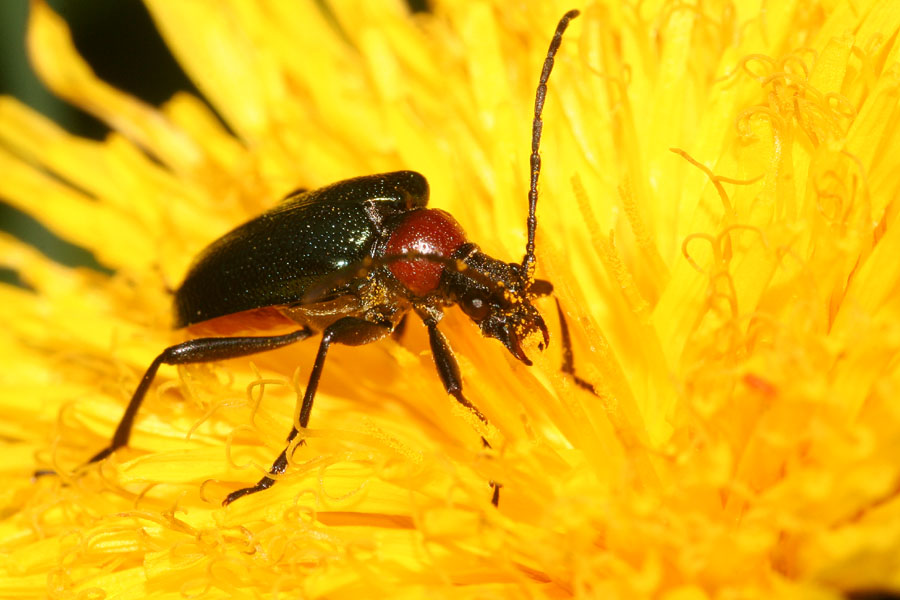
x,y
495,496
263,484
278,468
102,454
350,331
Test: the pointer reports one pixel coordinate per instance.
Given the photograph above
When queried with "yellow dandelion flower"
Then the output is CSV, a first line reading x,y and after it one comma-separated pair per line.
x,y
718,216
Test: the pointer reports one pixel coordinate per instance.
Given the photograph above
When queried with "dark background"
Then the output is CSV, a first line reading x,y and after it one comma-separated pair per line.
x,y
119,40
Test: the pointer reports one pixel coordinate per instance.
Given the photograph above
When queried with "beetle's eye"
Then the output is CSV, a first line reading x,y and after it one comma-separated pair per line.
x,y
476,307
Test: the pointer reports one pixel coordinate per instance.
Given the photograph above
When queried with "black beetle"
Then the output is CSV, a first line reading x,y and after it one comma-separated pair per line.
x,y
351,260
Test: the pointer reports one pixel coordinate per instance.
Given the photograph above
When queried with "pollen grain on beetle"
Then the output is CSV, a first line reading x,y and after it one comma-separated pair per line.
x,y
717,224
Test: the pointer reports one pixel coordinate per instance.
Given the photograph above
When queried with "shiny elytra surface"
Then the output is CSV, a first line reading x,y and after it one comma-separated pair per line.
x,y
273,259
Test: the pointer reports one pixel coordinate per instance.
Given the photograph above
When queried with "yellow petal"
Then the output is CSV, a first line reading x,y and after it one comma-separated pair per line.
x,y
56,61
717,216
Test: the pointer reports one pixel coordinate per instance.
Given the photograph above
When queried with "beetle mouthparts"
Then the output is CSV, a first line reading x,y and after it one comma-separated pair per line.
x,y
513,343
520,354
544,332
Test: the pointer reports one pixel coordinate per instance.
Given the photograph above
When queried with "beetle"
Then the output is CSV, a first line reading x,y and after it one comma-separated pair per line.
x,y
350,261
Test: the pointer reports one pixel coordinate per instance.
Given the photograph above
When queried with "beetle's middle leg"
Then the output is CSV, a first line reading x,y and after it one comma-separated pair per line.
x,y
350,331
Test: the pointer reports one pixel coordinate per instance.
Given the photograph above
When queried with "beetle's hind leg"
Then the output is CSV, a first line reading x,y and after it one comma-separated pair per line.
x,y
350,331
193,351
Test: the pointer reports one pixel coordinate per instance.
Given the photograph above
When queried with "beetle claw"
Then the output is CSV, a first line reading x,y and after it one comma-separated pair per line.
x,y
263,484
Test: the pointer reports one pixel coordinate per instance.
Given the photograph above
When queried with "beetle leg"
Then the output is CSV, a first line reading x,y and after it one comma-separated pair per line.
x,y
350,331
568,366
194,351
448,368
400,328
448,371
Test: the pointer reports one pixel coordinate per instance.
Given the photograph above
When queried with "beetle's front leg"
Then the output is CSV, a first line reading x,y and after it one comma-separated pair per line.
x,y
350,331
448,368
448,371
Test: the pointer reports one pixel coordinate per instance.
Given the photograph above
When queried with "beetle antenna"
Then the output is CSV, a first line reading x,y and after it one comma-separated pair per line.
x,y
536,126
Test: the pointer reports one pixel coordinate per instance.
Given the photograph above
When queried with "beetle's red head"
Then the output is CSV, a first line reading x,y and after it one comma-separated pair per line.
x,y
498,296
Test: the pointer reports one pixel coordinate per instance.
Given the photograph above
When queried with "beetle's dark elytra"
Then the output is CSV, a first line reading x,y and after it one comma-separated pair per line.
x,y
350,261
272,260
